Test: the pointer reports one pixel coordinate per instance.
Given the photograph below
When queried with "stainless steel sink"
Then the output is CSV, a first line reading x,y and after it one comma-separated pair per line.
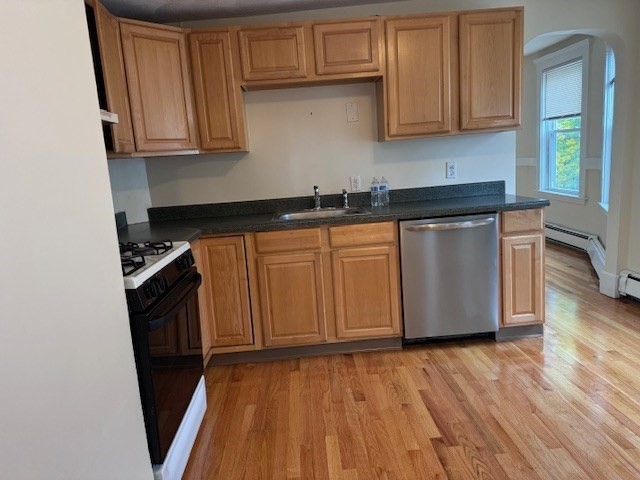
x,y
320,213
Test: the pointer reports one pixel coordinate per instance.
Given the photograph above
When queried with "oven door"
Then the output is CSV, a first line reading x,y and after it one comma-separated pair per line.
x,y
168,352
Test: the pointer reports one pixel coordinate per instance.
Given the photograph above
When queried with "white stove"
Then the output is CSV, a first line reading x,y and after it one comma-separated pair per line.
x,y
153,260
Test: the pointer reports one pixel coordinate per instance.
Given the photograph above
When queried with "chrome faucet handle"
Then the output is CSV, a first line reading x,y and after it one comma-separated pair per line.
x,y
345,199
316,197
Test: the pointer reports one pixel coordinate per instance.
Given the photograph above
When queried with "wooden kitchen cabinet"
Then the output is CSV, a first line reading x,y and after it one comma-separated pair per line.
x,y
490,69
522,247
420,80
292,299
219,102
113,77
225,291
347,47
272,53
366,280
159,80
366,292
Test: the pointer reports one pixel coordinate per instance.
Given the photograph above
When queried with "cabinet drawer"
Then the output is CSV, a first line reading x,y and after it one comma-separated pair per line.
x,y
288,240
522,221
365,234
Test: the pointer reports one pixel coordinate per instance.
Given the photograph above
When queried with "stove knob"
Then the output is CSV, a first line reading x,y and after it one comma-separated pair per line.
x,y
185,261
156,286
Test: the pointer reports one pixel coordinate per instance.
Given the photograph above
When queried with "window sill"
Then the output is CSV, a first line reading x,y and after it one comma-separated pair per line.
x,y
562,198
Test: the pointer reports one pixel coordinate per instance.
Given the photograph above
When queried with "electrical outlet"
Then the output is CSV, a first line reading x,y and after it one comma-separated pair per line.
x,y
352,112
452,169
356,183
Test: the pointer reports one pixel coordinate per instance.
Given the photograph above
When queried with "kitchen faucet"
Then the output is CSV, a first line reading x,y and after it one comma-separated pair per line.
x,y
316,197
345,199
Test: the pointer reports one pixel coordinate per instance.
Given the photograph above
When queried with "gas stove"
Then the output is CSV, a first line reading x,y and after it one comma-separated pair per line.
x,y
141,261
151,269
161,286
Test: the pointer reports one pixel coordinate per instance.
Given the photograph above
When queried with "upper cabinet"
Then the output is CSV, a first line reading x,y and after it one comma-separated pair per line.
x,y
113,81
347,47
419,76
159,81
436,74
490,69
219,101
272,53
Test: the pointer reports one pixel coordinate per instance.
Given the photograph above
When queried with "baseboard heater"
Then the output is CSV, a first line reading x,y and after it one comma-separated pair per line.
x,y
629,284
588,242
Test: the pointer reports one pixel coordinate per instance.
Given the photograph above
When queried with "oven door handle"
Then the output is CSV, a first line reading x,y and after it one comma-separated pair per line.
x,y
157,322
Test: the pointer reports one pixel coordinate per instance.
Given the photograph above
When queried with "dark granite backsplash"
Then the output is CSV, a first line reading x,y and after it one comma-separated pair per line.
x,y
358,199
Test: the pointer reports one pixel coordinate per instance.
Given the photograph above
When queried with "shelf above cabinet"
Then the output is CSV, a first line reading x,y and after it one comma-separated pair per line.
x,y
108,117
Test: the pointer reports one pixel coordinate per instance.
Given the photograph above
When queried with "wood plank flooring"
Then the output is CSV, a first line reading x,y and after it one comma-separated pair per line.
x,y
563,407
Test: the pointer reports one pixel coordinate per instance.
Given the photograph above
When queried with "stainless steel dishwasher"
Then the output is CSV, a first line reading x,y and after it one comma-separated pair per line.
x,y
449,276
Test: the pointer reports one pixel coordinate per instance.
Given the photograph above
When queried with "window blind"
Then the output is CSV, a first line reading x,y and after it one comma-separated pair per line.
x,y
562,87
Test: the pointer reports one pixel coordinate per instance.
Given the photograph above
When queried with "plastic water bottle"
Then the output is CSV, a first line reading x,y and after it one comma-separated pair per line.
x,y
375,193
383,192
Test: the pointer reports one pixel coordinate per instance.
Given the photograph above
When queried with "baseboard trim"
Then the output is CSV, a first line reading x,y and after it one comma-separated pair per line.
x,y
521,331
609,284
286,353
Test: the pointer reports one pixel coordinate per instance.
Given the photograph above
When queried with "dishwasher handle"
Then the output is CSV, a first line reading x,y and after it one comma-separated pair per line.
x,y
450,226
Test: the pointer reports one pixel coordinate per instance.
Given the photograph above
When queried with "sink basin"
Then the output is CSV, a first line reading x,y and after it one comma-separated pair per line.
x,y
322,213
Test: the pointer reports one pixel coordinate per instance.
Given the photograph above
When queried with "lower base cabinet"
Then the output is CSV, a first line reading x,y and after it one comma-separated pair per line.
x,y
225,291
366,292
522,246
292,299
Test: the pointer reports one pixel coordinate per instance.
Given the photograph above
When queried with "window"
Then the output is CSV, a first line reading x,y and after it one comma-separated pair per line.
x,y
607,124
562,78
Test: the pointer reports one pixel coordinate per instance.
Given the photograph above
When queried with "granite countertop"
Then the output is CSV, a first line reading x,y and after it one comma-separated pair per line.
x,y
190,222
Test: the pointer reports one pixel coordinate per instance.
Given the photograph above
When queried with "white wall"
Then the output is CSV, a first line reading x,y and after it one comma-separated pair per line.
x,y
130,188
300,137
70,407
590,217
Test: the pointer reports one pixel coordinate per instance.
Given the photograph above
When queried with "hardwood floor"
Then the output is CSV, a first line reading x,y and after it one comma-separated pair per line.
x,y
563,407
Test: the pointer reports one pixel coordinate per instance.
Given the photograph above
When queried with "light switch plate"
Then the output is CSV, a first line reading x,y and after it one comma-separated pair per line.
x,y
352,112
452,169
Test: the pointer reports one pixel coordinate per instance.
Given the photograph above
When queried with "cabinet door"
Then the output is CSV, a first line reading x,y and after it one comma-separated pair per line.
x,y
347,47
218,98
115,81
292,299
490,69
366,293
523,279
419,76
159,87
272,53
226,291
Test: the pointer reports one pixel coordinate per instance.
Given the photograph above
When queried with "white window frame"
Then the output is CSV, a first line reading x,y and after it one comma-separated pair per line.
x,y
576,51
607,126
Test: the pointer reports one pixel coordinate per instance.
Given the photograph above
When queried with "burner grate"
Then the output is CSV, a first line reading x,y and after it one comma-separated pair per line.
x,y
145,249
131,263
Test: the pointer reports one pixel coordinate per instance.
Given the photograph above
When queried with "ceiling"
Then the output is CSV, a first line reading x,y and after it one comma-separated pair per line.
x,y
184,10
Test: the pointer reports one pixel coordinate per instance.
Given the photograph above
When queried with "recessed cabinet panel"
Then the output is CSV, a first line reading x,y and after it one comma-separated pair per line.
x,y
490,69
292,299
366,295
523,279
218,99
159,87
348,47
272,53
419,76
